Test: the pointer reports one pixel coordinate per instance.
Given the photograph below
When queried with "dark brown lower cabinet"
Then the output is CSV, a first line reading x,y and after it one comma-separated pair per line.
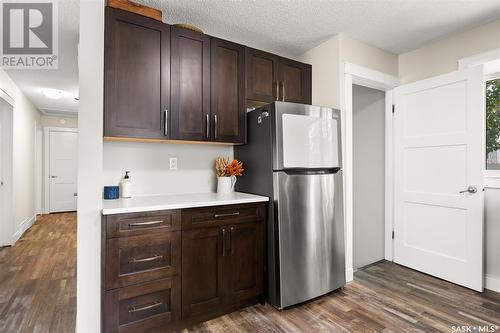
x,y
166,276
138,308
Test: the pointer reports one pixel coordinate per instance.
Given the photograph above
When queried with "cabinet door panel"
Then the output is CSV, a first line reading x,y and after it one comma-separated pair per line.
x,y
202,269
262,76
228,91
190,85
295,81
244,275
137,75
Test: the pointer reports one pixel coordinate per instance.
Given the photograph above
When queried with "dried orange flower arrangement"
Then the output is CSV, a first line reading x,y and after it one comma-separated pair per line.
x,y
224,168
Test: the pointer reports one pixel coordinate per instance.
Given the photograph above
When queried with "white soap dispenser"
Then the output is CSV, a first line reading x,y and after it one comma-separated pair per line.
x,y
126,186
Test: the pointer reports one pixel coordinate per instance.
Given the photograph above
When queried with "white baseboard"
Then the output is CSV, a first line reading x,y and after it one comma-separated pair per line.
x,y
349,275
25,225
492,283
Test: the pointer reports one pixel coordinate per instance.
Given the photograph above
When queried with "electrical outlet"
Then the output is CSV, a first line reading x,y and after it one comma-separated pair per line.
x,y
173,163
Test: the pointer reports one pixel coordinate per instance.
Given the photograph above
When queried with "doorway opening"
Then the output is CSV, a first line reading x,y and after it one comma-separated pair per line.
x,y
6,179
368,143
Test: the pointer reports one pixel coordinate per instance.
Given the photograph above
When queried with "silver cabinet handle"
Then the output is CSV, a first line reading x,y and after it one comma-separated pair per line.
x,y
133,308
283,91
155,257
470,189
207,128
139,224
215,126
165,130
227,214
223,242
277,91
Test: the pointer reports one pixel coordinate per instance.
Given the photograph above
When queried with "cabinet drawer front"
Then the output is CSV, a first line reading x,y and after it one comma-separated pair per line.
x,y
133,224
141,258
141,307
222,215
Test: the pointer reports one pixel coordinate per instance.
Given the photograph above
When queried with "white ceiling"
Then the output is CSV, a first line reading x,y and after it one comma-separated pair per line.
x,y
286,27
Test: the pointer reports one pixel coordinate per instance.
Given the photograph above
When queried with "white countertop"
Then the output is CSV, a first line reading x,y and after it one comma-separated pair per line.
x,y
176,201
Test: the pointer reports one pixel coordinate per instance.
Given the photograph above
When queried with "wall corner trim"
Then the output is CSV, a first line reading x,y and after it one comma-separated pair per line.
x,y
492,283
23,227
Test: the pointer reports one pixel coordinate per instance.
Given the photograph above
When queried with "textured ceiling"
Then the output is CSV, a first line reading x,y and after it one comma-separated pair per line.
x,y
290,27
286,27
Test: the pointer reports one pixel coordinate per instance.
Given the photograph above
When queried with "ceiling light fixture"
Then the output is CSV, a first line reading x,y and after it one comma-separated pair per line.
x,y
53,93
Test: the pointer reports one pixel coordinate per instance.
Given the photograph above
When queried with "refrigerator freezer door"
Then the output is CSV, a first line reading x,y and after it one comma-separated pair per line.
x,y
309,142
311,235
306,137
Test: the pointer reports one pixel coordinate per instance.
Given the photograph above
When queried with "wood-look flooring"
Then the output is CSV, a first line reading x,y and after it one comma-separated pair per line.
x,y
38,278
382,298
38,294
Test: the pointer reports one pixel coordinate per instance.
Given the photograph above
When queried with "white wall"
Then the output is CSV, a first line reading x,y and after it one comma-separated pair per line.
x,y
56,121
26,119
91,69
149,166
368,175
441,56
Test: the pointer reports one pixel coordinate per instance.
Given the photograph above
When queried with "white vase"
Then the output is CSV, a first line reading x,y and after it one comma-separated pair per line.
x,y
226,184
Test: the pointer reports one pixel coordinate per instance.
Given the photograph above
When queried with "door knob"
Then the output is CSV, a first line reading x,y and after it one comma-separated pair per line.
x,y
53,176
470,189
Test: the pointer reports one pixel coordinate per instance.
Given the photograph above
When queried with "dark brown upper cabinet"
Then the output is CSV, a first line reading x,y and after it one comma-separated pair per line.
x,y
136,75
273,78
295,80
228,110
190,105
262,76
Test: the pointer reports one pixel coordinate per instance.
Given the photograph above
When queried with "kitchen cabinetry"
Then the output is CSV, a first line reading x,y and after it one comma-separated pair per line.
x,y
168,83
270,78
173,268
137,75
190,85
228,109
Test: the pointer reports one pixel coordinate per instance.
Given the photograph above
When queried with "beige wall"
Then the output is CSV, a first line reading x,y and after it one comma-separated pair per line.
x,y
356,52
328,60
441,56
53,121
325,61
26,118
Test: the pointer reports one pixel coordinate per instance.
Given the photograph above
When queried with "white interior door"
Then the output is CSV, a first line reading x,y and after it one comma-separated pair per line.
x,y
63,148
438,154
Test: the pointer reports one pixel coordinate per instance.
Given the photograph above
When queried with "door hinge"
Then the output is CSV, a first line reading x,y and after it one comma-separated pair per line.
x,y
393,234
393,108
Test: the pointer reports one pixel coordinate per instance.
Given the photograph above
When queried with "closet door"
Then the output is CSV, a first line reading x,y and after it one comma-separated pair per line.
x,y
190,94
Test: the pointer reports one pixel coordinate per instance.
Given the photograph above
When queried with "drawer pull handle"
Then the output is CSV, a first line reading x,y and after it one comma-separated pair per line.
x,y
225,215
140,224
132,308
155,257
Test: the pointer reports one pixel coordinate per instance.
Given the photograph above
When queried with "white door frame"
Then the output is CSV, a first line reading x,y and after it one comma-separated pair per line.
x,y
46,162
355,74
7,204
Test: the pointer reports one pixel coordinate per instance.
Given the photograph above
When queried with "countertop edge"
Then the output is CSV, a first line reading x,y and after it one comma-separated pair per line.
x,y
114,211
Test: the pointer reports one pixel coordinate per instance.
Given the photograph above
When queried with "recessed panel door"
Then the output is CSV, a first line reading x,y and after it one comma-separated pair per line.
x,y
438,216
63,150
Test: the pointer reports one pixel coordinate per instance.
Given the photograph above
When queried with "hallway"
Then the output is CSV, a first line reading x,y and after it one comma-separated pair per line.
x,y
38,278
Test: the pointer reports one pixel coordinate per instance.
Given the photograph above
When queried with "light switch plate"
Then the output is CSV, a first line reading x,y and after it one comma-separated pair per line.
x,y
173,163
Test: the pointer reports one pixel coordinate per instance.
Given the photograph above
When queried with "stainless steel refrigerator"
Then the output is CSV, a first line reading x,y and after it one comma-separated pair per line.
x,y
294,157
